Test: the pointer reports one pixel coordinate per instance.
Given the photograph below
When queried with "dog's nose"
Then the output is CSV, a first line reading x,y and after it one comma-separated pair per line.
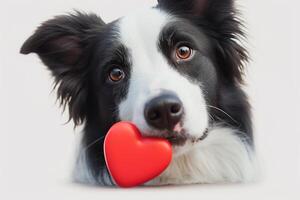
x,y
164,112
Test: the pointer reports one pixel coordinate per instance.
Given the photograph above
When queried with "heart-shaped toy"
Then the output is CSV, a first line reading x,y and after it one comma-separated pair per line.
x,y
133,160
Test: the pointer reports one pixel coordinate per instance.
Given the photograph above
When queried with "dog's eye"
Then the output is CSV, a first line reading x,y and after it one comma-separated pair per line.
x,y
116,74
183,53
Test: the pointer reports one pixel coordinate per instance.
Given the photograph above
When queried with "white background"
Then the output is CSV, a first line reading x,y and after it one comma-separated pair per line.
x,y
36,147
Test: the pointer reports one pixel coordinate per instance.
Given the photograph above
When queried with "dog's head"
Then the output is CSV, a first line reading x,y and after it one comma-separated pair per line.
x,y
165,69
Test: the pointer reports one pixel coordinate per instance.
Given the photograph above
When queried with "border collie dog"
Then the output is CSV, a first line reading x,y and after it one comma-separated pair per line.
x,y
174,70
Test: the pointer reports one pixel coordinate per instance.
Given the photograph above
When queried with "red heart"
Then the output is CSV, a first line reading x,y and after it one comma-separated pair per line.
x,y
133,160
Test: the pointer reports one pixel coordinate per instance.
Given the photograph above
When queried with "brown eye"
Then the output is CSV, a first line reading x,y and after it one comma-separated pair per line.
x,y
183,53
116,75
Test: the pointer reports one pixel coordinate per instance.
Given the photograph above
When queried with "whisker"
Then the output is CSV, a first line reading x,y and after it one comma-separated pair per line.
x,y
93,143
211,118
219,109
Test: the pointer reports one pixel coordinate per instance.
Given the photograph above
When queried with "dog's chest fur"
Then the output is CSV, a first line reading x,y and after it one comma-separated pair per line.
x,y
222,157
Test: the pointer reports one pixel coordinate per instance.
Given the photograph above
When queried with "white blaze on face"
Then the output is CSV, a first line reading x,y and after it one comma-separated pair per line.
x,y
151,74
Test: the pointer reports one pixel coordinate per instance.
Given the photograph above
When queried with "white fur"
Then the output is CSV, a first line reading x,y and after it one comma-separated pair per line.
x,y
82,172
221,158
151,74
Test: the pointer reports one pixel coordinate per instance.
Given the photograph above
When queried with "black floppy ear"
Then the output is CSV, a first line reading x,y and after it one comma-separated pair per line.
x,y
221,21
63,44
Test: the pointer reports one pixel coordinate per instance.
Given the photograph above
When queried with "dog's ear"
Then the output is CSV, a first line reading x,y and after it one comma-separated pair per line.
x,y
210,9
63,44
221,21
192,7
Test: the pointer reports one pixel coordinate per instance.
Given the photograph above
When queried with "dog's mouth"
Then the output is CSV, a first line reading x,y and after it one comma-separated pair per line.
x,y
179,139
179,136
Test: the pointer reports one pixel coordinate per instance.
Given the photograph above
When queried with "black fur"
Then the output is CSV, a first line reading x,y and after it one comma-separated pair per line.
x,y
79,49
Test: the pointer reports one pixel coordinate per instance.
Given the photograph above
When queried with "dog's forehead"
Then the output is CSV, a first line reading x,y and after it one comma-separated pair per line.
x,y
143,28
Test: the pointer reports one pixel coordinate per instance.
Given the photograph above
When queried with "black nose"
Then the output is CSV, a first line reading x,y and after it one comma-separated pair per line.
x,y
164,112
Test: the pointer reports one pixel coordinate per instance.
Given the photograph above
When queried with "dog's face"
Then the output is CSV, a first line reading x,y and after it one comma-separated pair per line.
x,y
161,70
168,75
